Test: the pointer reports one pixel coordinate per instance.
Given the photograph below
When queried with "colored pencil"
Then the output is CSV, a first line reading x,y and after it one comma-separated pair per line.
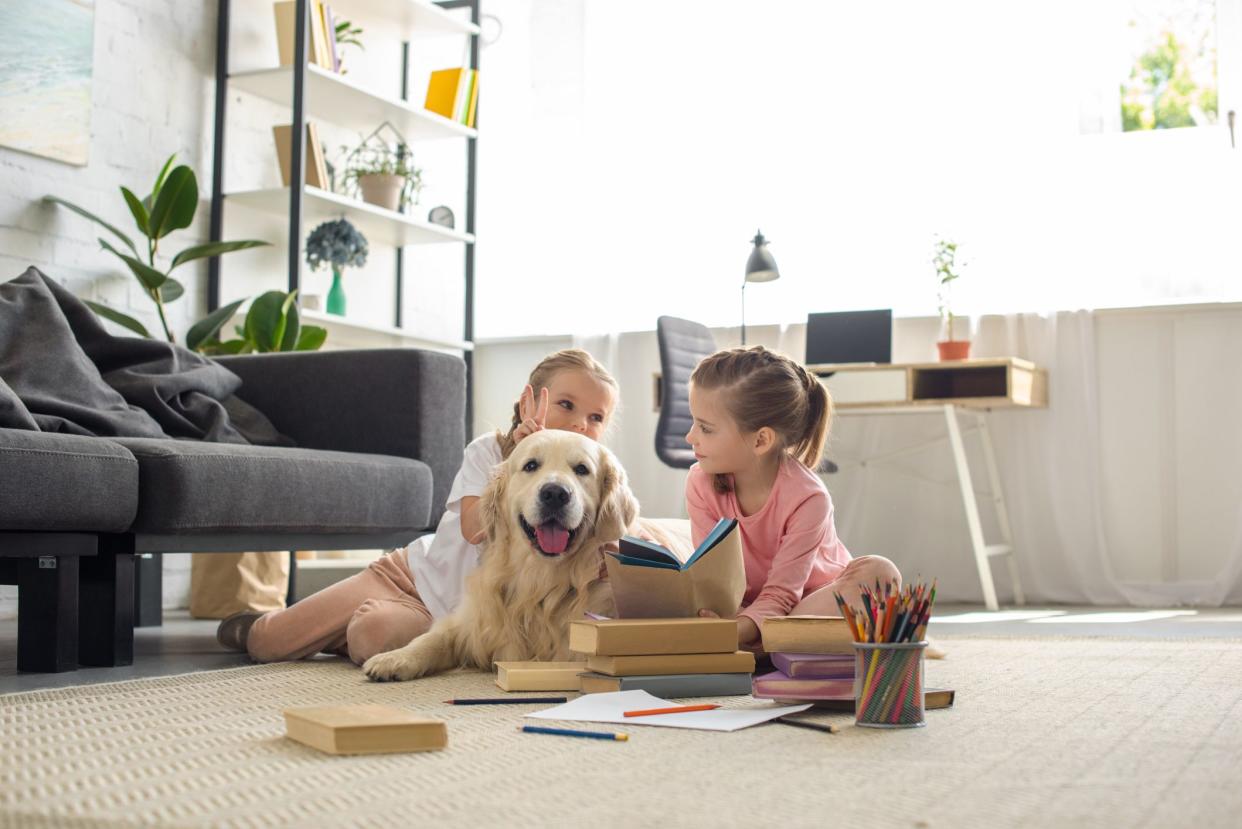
x,y
569,732
508,701
676,709
828,729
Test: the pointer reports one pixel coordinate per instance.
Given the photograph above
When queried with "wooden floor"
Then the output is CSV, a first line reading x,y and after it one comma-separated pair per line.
x,y
184,645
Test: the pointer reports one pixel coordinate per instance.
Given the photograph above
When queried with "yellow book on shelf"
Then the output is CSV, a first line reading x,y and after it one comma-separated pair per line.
x,y
286,30
316,168
474,98
364,729
323,54
443,91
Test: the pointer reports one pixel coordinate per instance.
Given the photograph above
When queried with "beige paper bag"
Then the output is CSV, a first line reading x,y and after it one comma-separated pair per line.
x,y
225,583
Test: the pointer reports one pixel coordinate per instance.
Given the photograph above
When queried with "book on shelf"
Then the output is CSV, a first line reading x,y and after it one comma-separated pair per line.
x,y
538,676
826,665
806,634
738,662
316,166
364,729
334,49
669,686
933,698
648,580
453,93
628,637
317,49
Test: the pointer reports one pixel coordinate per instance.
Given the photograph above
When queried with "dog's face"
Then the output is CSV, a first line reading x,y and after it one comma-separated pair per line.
x,y
561,492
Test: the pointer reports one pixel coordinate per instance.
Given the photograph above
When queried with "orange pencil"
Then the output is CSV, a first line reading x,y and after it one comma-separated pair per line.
x,y
679,709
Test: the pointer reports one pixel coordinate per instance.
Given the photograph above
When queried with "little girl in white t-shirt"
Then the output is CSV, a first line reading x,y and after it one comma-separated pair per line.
x,y
399,596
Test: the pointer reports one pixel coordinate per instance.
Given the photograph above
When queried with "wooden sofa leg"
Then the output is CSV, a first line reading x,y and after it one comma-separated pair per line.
x,y
47,614
106,594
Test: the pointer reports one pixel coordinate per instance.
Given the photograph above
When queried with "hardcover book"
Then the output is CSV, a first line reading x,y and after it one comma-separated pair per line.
x,y
807,634
649,581
364,729
824,665
627,637
538,676
686,663
670,686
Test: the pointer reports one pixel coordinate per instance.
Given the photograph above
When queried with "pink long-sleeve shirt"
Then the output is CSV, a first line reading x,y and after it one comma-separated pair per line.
x,y
790,546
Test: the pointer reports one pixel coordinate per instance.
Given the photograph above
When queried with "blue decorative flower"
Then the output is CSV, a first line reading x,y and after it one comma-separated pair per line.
x,y
337,243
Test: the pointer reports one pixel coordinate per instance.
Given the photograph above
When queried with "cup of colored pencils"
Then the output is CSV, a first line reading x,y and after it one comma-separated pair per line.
x,y
888,630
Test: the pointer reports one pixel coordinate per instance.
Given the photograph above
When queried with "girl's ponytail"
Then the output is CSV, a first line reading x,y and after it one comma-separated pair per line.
x,y
810,448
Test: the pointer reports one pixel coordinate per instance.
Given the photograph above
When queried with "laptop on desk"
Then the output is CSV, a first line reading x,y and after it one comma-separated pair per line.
x,y
849,337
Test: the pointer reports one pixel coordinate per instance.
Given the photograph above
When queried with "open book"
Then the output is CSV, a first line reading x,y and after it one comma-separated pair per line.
x,y
648,581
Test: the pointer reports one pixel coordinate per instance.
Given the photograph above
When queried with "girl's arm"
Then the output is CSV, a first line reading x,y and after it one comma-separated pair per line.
x,y
471,525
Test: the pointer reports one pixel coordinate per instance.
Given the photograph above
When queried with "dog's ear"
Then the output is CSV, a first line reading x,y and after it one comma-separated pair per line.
x,y
492,504
618,508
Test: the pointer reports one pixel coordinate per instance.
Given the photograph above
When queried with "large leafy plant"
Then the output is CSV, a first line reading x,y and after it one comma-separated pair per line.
x,y
171,206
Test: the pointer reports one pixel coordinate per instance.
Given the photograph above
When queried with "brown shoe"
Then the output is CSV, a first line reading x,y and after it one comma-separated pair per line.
x,y
235,630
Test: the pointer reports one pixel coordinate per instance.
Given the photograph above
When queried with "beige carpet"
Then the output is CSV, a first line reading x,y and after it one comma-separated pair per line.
x,y
1095,732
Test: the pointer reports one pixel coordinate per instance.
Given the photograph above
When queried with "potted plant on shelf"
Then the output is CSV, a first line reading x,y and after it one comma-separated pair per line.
x,y
339,244
947,272
381,169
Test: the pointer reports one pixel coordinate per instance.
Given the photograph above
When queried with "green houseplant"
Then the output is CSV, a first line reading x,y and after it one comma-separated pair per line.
x,y
948,272
170,206
340,245
381,171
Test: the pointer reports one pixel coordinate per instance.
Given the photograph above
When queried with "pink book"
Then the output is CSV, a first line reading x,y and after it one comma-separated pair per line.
x,y
777,685
817,665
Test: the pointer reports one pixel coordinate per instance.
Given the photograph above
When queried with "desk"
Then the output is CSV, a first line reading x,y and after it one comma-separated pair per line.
x,y
972,387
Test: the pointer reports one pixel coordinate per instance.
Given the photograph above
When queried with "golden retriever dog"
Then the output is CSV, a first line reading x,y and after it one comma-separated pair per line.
x,y
548,512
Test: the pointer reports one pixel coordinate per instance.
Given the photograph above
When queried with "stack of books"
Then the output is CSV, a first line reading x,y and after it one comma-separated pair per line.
x,y
814,660
454,93
666,657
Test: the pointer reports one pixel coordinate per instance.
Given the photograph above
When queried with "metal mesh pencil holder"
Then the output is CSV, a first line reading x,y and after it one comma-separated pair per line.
x,y
888,684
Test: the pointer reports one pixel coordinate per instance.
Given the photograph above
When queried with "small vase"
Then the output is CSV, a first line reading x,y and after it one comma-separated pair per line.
x,y
951,350
336,295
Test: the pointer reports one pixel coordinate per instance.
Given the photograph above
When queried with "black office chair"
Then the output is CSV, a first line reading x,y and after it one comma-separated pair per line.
x,y
682,344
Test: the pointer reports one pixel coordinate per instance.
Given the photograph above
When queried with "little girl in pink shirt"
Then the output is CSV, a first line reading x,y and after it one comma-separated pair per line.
x,y
760,421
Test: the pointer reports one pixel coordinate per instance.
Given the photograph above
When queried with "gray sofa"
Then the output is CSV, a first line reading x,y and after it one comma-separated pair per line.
x,y
83,520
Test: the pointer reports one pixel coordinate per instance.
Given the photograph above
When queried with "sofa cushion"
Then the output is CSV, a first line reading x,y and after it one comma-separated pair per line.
x,y
51,481
191,487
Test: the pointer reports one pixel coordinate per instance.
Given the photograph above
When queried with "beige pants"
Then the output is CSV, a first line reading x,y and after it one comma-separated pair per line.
x,y
374,611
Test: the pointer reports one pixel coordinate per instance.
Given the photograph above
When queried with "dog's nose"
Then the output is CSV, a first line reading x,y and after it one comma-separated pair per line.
x,y
553,496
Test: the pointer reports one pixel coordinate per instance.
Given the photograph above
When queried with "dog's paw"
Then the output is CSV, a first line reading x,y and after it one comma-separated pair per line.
x,y
393,666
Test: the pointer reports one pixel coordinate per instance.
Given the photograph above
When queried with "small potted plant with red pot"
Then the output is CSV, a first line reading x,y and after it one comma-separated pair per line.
x,y
947,272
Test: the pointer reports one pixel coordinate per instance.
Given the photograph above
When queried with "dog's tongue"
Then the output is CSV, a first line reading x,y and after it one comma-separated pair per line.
x,y
553,538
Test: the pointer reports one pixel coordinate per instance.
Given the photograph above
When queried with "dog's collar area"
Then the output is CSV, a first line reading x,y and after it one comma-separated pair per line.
x,y
548,527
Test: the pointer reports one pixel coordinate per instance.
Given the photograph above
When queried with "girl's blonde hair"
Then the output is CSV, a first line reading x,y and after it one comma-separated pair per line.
x,y
764,388
569,359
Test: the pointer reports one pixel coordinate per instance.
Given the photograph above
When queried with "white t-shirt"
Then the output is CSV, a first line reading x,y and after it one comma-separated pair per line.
x,y
441,562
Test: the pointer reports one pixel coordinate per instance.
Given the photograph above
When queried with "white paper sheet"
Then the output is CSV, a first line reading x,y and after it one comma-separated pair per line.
x,y
612,707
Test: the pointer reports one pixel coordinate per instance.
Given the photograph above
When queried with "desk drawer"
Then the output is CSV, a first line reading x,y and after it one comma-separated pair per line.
x,y
867,388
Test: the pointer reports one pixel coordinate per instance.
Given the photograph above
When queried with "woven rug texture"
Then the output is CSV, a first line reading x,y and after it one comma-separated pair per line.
x,y
1047,732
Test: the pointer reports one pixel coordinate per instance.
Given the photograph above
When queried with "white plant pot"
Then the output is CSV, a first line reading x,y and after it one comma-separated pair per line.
x,y
382,190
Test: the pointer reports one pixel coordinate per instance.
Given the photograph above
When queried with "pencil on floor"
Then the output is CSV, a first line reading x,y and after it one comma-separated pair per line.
x,y
508,701
570,732
813,726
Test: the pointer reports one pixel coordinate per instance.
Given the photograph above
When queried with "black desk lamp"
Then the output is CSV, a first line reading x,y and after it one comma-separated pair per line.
x,y
760,267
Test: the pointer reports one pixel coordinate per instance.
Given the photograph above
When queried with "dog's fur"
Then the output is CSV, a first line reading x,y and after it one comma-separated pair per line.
x,y
520,601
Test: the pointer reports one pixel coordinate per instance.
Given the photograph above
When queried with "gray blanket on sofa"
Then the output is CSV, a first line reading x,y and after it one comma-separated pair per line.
x,y
61,371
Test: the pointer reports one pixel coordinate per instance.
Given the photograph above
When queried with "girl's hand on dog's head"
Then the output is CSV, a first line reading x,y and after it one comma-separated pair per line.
x,y
534,417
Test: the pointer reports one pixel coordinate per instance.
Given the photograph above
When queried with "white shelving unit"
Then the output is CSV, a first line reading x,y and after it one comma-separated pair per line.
x,y
332,99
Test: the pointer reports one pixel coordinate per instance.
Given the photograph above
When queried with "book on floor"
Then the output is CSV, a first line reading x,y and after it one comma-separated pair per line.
x,y
684,663
364,729
777,684
827,665
650,581
538,676
933,698
806,634
673,686
627,637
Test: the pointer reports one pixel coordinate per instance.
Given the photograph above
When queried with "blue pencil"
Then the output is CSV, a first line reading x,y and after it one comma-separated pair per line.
x,y
569,732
